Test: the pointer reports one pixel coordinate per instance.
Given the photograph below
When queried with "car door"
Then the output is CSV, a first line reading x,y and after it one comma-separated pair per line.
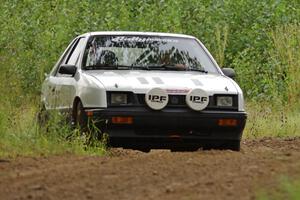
x,y
49,92
66,84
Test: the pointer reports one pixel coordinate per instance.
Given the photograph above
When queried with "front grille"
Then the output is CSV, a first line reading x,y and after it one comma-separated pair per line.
x,y
175,101
179,101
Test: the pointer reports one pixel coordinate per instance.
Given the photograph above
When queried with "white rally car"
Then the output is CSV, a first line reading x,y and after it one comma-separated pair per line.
x,y
148,90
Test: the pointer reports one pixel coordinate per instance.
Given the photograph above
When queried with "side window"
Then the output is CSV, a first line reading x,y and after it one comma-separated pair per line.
x,y
73,57
63,57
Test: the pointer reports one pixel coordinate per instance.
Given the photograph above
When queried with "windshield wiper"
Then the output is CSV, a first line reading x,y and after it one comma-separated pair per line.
x,y
158,67
169,67
106,67
198,70
140,67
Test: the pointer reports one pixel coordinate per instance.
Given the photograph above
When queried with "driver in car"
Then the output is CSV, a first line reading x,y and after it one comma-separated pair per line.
x,y
173,59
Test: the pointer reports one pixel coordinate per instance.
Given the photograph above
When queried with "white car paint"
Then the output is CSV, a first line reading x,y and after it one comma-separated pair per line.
x,y
91,85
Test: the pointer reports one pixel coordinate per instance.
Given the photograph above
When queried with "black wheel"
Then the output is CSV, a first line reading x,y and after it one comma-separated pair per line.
x,y
145,150
80,117
234,145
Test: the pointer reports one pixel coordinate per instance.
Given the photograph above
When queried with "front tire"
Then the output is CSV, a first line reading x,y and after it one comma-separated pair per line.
x,y
80,117
234,145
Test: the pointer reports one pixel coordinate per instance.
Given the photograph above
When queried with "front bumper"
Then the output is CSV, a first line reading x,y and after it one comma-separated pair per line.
x,y
168,127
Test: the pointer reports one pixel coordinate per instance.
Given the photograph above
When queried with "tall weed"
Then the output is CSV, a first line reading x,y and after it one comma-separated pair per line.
x,y
265,119
285,57
23,136
221,38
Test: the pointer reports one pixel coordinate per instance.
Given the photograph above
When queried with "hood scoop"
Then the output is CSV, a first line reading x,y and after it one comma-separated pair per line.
x,y
197,82
142,80
157,80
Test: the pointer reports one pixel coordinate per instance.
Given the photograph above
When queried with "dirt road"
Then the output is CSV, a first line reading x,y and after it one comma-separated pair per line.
x,y
156,175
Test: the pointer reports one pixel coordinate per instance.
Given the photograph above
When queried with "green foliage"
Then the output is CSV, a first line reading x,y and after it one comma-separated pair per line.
x,y
275,77
24,136
285,61
35,33
259,39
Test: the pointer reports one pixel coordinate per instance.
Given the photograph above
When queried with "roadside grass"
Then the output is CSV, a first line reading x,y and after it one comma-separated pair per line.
x,y
22,136
287,189
277,114
265,120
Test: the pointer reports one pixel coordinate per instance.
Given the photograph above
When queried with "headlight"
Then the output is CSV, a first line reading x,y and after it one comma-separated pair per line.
x,y
224,101
118,98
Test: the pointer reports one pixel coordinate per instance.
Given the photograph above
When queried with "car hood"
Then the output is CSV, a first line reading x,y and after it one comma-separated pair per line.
x,y
141,81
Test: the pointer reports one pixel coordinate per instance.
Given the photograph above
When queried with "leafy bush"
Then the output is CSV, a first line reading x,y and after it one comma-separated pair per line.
x,y
236,32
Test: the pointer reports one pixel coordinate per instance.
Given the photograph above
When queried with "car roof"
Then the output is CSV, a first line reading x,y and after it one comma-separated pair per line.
x,y
136,33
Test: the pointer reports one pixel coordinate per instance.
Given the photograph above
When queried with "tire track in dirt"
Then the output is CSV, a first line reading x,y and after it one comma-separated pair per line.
x,y
128,174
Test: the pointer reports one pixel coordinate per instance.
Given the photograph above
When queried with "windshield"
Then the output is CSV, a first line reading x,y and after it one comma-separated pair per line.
x,y
146,53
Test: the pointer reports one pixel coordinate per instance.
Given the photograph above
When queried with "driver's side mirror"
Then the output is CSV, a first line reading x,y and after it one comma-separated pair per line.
x,y
67,69
229,72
